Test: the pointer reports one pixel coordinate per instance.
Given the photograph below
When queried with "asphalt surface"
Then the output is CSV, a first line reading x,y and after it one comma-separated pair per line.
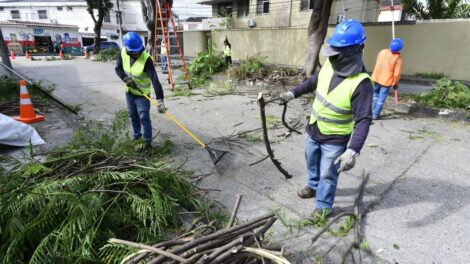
x,y
417,197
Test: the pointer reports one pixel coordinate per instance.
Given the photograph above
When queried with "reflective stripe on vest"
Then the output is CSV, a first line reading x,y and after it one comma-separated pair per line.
x,y
227,51
332,111
136,72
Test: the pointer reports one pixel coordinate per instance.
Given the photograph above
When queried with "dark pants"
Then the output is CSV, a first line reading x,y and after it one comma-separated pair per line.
x,y
228,60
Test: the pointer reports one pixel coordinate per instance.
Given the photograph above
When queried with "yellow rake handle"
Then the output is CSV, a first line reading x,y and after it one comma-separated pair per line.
x,y
172,118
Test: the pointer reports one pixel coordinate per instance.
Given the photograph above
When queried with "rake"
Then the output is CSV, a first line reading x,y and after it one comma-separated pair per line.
x,y
215,154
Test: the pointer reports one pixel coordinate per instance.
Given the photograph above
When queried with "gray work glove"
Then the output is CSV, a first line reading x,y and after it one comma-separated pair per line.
x,y
347,160
161,106
286,97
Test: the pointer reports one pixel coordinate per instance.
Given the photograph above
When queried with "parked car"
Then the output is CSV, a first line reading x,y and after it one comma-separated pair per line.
x,y
104,45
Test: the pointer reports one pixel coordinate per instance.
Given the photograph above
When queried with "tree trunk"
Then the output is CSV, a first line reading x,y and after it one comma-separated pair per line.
x,y
148,13
316,33
97,40
4,52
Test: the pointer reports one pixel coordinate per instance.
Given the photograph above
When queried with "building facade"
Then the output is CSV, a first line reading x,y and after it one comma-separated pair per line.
x,y
288,13
65,12
36,37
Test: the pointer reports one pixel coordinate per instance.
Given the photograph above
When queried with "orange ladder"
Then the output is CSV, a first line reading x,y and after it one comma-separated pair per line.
x,y
164,16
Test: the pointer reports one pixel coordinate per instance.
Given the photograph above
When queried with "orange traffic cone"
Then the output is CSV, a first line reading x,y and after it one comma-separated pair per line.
x,y
27,114
12,55
61,55
27,55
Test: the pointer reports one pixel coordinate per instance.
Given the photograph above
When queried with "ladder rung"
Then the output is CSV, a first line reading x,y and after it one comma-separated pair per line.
x,y
182,82
170,36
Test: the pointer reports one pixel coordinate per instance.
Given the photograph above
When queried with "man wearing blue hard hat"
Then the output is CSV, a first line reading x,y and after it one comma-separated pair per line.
x,y
341,114
135,67
386,74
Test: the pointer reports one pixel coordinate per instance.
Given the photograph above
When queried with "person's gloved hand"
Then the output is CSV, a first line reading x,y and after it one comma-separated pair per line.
x,y
395,87
286,97
347,160
129,82
161,106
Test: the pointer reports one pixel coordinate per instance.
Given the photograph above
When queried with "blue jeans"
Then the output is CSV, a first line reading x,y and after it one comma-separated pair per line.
x,y
322,173
380,94
138,108
163,61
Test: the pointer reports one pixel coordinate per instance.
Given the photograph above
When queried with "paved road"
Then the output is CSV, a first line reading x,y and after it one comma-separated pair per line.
x,y
418,191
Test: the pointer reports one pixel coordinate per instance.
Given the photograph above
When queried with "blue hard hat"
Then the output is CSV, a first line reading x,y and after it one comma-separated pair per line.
x,y
133,42
348,32
396,44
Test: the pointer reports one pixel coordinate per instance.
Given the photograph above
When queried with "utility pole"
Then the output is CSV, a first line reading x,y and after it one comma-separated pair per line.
x,y
4,52
119,19
393,20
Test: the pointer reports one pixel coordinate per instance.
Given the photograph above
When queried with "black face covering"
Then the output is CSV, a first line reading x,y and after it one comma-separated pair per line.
x,y
348,61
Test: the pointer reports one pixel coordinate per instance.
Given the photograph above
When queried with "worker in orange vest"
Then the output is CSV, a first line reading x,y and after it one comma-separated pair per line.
x,y
386,74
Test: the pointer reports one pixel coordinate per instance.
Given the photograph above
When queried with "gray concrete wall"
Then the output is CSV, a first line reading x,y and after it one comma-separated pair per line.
x,y
194,41
431,46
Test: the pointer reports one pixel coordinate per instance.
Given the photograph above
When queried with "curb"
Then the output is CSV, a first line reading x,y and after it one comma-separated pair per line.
x,y
414,109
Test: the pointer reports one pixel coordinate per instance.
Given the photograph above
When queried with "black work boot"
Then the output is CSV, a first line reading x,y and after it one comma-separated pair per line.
x,y
148,145
306,193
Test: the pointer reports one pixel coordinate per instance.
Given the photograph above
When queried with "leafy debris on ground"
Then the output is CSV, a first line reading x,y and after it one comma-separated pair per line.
x,y
64,208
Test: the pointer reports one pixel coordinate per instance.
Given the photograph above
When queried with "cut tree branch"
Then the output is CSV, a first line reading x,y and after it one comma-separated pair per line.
x,y
262,106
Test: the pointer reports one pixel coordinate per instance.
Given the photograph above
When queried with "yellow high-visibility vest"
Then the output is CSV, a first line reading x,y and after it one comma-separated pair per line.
x,y
227,51
136,72
333,111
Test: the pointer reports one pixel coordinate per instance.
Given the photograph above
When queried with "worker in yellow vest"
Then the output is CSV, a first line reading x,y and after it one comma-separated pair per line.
x,y
135,67
163,58
227,52
341,114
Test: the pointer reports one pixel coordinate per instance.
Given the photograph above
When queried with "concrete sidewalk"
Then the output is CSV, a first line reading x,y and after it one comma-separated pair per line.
x,y
418,168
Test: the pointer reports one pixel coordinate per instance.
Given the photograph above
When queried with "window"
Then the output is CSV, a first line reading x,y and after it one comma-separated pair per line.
x,y
224,9
243,8
69,8
306,4
42,14
15,14
59,8
107,18
1,8
262,7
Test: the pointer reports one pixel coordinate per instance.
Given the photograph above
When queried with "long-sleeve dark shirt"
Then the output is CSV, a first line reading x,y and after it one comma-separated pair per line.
x,y
361,103
149,68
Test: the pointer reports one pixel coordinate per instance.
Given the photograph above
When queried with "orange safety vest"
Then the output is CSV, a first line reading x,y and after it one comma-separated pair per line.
x,y
387,69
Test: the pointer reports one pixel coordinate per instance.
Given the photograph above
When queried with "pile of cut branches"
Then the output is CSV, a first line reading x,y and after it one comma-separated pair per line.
x,y
239,244
64,209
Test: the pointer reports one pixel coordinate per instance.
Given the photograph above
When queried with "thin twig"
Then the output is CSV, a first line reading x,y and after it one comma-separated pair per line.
x,y
259,161
234,211
283,119
149,248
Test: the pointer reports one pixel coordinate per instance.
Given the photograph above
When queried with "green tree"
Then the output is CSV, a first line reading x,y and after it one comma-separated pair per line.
x,y
435,9
100,8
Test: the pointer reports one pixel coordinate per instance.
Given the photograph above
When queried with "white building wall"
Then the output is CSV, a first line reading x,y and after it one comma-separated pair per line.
x,y
387,15
72,13
132,16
